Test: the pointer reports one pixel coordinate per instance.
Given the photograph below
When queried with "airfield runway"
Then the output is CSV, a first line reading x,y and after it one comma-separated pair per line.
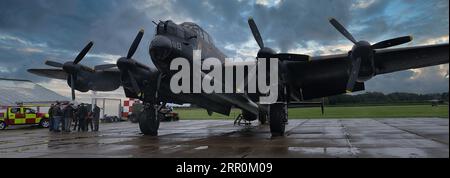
x,y
406,137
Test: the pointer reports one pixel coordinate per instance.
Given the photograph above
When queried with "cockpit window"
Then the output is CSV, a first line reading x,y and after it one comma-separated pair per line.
x,y
198,31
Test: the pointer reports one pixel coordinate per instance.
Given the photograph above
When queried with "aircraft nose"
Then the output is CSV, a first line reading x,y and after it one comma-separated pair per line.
x,y
160,48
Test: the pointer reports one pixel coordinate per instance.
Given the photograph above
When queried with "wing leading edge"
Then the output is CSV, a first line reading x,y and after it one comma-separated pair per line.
x,y
50,73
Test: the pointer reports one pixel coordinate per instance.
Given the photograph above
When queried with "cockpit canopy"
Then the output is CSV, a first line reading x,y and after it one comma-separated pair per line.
x,y
201,34
186,30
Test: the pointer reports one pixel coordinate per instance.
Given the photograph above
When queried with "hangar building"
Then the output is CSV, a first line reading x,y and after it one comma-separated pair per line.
x,y
15,91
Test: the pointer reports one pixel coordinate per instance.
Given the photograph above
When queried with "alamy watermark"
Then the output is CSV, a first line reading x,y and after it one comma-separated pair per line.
x,y
219,81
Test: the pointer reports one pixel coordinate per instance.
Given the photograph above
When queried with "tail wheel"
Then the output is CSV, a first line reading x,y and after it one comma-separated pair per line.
x,y
148,122
2,125
278,118
45,123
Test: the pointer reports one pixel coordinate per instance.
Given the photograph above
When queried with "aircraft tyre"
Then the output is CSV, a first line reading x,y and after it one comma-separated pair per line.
x,y
278,117
148,122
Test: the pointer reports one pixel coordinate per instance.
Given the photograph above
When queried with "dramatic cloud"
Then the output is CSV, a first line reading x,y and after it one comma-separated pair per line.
x,y
32,31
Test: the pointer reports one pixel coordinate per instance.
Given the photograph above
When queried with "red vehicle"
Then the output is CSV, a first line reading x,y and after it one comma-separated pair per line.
x,y
22,115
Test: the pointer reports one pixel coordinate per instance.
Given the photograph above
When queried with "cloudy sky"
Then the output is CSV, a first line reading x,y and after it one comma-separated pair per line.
x,y
32,31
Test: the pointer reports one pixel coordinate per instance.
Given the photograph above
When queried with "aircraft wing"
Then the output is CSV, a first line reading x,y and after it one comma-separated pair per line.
x,y
392,60
328,75
50,73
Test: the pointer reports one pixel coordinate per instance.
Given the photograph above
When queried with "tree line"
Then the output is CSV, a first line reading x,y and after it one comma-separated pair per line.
x,y
381,98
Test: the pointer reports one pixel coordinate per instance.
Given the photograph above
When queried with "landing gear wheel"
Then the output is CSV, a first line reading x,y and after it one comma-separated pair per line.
x,y
148,122
2,125
278,118
45,123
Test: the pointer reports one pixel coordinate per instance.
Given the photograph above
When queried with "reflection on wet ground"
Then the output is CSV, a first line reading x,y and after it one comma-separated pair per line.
x,y
415,137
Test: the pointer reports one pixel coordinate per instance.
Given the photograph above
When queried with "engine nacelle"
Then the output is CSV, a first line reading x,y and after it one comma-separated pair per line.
x,y
80,84
363,50
367,70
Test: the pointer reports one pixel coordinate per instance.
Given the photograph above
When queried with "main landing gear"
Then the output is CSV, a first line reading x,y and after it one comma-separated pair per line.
x,y
149,120
278,118
151,115
278,114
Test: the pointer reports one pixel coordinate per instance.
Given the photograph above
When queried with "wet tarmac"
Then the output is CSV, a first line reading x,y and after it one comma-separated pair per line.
x,y
415,137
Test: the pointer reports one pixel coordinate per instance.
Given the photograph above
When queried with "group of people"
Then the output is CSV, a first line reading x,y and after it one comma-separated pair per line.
x,y
61,117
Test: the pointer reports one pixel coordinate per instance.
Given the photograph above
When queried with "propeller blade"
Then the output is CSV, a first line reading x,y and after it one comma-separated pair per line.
x,y
83,52
342,30
104,66
353,75
134,83
392,42
72,86
135,44
54,64
292,57
255,32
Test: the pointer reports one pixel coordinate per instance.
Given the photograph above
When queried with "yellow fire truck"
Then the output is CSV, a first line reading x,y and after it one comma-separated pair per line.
x,y
22,115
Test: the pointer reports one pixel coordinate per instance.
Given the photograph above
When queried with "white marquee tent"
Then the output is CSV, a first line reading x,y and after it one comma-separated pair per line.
x,y
13,91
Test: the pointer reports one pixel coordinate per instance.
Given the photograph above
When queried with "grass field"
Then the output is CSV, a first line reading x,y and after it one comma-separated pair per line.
x,y
338,112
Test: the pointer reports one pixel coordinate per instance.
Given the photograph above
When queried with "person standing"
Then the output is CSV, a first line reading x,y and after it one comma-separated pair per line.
x,y
50,117
82,114
96,118
76,118
89,121
68,115
62,120
57,115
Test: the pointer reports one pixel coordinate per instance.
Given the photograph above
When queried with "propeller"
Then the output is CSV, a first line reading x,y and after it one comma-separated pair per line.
x,y
83,53
54,64
104,66
265,52
72,87
342,30
124,63
362,49
255,32
269,53
135,44
392,42
69,67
